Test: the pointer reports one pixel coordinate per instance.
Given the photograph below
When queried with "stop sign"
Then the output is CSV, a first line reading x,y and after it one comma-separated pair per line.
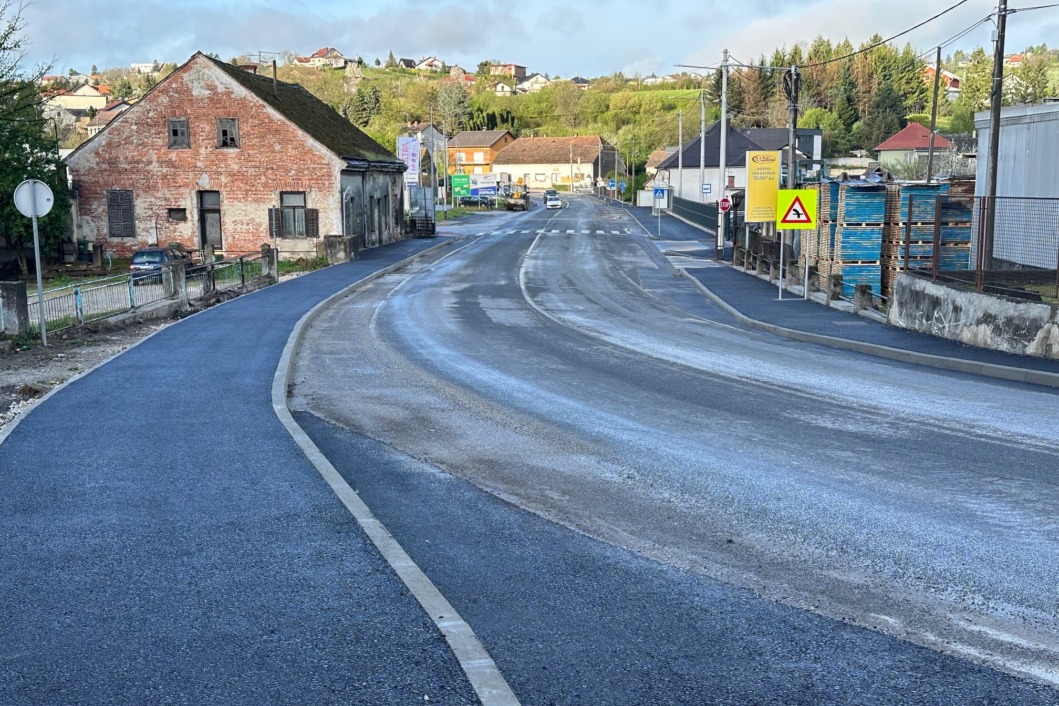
x,y
725,204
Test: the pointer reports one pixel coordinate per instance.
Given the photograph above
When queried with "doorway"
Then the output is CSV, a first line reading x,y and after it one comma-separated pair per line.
x,y
210,219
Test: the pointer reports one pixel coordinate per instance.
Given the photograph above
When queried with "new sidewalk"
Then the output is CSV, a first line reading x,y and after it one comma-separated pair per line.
x,y
755,302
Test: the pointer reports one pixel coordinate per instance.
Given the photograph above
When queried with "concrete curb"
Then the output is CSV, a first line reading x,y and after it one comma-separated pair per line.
x,y
489,684
1001,372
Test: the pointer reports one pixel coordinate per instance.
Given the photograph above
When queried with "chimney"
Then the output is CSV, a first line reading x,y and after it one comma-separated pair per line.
x,y
275,81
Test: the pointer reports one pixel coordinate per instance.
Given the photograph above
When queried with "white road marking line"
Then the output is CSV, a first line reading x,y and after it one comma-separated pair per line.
x,y
489,684
569,232
599,232
555,231
614,232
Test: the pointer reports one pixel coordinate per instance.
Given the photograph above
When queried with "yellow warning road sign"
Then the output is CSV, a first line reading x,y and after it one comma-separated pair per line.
x,y
796,209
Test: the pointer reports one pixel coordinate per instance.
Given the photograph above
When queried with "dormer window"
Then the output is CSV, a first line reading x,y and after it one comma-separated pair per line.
x,y
228,133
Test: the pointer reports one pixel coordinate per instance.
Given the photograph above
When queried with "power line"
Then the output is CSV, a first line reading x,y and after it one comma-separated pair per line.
x,y
885,41
957,37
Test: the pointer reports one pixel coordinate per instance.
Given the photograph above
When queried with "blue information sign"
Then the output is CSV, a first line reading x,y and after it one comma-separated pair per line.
x,y
660,193
610,184
621,186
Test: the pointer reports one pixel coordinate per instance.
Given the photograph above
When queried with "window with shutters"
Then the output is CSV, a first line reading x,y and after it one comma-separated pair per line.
x,y
120,223
292,219
178,134
292,206
228,133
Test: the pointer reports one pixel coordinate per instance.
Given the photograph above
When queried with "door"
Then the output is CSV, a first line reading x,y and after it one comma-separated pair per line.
x,y
210,219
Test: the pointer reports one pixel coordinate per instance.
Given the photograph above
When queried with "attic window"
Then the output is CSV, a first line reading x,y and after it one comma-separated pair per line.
x,y
228,133
178,134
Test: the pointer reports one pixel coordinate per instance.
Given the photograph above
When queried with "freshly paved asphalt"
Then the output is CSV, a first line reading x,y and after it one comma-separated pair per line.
x,y
756,299
165,541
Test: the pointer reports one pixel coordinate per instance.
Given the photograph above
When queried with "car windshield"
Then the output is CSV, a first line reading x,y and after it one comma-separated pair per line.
x,y
147,258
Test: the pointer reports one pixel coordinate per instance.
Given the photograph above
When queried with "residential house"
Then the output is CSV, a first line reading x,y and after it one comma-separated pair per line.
x,y
653,80
104,117
220,157
545,162
513,70
1015,60
532,84
406,63
949,82
457,71
473,151
656,158
327,58
431,63
145,69
910,145
685,180
580,82
502,89
77,101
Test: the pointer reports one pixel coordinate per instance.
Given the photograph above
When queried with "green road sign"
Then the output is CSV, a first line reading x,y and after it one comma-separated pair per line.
x,y
461,184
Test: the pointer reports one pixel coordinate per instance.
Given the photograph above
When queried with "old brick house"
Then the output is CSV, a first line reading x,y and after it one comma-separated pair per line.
x,y
217,155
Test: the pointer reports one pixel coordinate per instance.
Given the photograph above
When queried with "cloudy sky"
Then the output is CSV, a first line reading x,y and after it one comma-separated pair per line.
x,y
564,37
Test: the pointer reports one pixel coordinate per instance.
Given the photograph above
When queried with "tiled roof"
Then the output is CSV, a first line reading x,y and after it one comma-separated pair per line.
x,y
550,150
736,148
657,157
322,53
311,115
477,138
914,137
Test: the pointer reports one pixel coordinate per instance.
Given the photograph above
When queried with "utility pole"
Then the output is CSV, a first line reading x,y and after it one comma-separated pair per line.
x,y
997,97
571,167
632,180
790,88
933,118
702,148
680,153
722,165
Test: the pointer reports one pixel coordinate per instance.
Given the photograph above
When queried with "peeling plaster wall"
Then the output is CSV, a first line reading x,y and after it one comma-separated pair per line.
x,y
133,153
983,320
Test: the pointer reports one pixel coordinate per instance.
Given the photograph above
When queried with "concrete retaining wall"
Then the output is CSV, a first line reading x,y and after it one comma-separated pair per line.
x,y
983,320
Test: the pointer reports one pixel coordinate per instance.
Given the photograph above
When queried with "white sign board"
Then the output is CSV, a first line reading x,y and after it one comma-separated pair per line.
x,y
707,188
33,198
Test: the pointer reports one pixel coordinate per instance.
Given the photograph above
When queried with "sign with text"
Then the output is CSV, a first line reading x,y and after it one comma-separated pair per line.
x,y
408,152
796,209
762,184
461,184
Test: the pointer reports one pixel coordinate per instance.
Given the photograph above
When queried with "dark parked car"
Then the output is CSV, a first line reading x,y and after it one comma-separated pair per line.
x,y
477,201
148,262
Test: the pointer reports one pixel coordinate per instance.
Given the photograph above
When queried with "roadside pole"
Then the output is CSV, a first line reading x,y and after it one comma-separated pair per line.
x,y
722,162
33,199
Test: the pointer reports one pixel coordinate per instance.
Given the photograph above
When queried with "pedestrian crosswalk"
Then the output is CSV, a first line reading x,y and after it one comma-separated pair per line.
x,y
556,231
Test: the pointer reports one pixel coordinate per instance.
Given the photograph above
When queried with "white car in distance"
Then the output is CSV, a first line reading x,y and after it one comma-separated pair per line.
x,y
552,200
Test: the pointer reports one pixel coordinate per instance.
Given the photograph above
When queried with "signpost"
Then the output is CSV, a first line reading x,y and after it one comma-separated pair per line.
x,y
461,184
795,210
610,184
707,188
34,199
660,199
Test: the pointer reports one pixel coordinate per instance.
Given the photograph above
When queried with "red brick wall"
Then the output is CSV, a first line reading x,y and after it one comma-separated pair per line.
x,y
133,153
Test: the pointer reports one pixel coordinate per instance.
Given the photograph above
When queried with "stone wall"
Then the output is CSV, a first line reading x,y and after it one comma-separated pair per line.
x,y
982,320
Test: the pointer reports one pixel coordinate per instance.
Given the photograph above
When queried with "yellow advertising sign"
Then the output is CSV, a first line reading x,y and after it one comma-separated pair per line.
x,y
762,183
796,209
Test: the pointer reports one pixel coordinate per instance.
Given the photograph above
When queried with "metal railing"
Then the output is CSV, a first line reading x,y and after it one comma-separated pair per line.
x,y
703,214
80,303
950,242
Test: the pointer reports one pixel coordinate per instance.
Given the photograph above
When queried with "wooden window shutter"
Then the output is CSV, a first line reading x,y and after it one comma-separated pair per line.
x,y
312,222
275,221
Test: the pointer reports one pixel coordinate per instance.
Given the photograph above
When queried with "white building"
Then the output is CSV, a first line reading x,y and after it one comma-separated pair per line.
x,y
546,162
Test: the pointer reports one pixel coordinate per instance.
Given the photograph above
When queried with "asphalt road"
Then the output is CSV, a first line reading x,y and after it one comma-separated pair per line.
x,y
164,541
641,502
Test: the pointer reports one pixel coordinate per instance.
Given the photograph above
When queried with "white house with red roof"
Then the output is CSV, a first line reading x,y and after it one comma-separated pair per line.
x,y
908,144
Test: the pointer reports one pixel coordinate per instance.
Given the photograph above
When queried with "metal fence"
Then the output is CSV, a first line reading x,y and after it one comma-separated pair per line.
x,y
1003,245
75,304
703,214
